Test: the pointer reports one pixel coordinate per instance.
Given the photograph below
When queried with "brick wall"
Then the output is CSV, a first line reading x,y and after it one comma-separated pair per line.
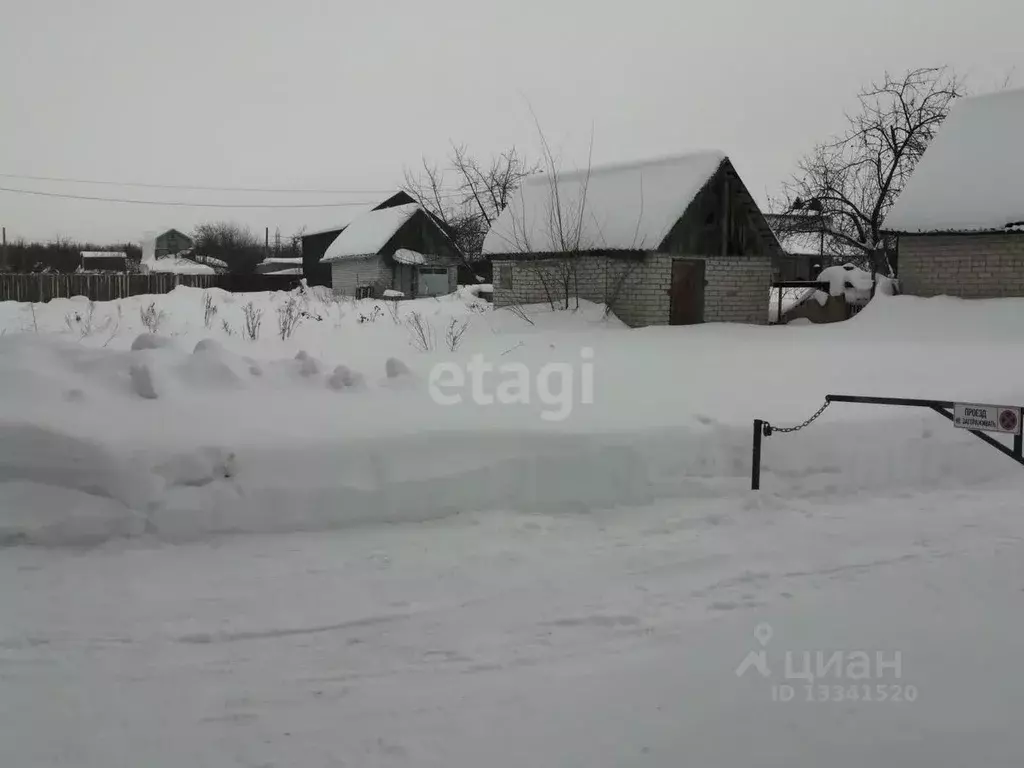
x,y
973,266
638,290
737,289
349,274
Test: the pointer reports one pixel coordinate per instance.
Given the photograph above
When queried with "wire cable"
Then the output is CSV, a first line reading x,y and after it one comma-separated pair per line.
x,y
179,203
197,186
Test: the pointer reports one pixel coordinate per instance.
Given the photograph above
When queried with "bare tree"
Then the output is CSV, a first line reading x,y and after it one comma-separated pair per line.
x,y
853,180
233,244
468,194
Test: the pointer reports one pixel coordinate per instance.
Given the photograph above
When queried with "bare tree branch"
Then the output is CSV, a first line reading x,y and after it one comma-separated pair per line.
x,y
857,176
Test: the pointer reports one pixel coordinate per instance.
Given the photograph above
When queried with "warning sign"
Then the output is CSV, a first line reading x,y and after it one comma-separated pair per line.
x,y
988,418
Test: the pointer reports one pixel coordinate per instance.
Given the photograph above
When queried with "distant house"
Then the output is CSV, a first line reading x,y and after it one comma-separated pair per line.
x,y
104,261
806,248
396,248
171,242
960,218
670,241
315,244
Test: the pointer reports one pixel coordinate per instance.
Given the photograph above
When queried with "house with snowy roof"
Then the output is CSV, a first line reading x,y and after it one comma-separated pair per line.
x,y
669,241
103,261
316,242
959,221
392,250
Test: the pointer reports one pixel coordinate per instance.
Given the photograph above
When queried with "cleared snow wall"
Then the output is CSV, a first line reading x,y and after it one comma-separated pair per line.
x,y
983,266
638,289
60,490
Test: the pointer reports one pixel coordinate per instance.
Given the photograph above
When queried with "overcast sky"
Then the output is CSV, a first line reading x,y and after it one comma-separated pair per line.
x,y
344,95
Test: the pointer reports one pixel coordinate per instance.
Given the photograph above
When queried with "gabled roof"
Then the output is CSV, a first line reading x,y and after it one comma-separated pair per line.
x,y
401,197
368,234
177,232
629,206
971,177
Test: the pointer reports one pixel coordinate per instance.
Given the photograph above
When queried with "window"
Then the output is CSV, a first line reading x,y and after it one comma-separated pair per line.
x,y
505,277
364,292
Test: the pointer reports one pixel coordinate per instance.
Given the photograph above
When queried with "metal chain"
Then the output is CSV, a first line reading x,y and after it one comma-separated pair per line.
x,y
768,429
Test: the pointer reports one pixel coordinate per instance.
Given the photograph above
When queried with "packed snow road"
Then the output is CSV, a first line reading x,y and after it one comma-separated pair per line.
x,y
503,639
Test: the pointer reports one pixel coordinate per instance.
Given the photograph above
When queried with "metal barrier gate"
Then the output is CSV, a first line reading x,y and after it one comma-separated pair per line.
x,y
975,418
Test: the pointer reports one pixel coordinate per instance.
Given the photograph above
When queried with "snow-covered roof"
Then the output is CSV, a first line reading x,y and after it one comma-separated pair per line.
x,y
630,206
369,233
104,255
406,256
176,266
971,177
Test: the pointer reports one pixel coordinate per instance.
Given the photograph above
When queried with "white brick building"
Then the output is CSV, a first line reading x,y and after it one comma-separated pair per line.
x,y
960,218
670,241
396,248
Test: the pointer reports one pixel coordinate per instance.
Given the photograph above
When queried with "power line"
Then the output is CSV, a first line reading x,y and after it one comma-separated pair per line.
x,y
180,203
197,186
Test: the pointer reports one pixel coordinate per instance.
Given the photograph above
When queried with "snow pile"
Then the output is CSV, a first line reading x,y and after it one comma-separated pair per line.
x,y
853,283
369,233
177,265
971,177
407,256
627,206
337,423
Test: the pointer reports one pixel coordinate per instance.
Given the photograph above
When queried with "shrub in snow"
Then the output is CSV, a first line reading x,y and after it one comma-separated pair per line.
x,y
344,378
421,332
453,335
288,316
209,310
395,368
372,317
226,327
151,317
150,341
142,381
393,312
253,320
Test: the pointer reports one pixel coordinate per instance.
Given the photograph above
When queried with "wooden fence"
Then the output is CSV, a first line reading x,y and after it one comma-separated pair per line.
x,y
36,287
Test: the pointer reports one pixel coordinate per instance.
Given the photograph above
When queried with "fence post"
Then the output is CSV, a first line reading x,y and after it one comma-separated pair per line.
x,y
755,465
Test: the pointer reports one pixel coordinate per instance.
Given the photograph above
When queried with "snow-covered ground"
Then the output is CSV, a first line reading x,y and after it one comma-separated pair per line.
x,y
552,583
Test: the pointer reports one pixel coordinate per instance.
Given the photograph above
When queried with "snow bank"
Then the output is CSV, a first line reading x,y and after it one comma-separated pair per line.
x,y
194,430
177,265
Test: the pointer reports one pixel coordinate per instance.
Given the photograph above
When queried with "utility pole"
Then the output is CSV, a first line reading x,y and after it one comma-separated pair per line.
x,y
3,254
266,242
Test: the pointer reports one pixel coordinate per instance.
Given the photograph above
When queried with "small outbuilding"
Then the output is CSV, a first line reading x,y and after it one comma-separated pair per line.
x,y
669,241
399,248
104,261
960,218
